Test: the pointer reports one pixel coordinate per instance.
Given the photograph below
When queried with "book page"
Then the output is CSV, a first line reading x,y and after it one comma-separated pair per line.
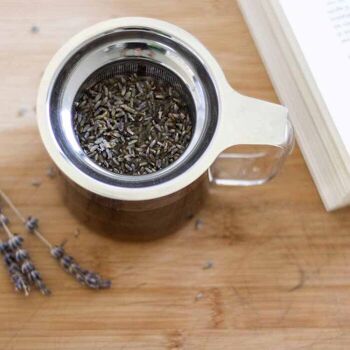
x,y
322,30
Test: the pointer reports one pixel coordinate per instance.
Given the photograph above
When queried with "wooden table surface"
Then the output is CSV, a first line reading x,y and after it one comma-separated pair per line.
x,y
280,277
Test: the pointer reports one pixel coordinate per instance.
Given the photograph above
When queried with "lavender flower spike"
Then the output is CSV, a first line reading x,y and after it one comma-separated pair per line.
x,y
16,276
85,277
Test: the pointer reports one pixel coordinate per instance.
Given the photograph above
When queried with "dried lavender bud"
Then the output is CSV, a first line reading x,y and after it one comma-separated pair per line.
x,y
15,241
35,275
21,255
208,265
20,283
77,272
32,224
51,172
105,284
16,277
92,280
66,261
35,278
4,247
42,287
75,268
27,266
34,29
57,252
36,182
22,112
9,259
14,268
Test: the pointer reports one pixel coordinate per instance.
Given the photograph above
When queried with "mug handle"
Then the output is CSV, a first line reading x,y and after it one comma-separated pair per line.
x,y
264,132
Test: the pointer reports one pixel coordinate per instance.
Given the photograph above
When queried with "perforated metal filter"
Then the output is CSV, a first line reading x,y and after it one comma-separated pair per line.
x,y
143,68
147,53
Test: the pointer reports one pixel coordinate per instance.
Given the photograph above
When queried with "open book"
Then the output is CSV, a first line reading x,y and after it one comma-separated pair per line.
x,y
305,45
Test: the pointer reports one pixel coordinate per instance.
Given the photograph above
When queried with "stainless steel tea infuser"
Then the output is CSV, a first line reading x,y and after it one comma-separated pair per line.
x,y
222,118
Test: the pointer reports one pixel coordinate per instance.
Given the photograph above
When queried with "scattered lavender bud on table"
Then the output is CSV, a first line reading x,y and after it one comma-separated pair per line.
x,y
199,224
34,29
36,182
51,172
208,265
22,112
77,232
199,296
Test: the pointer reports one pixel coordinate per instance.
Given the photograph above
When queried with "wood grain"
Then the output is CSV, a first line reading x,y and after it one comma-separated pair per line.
x,y
280,275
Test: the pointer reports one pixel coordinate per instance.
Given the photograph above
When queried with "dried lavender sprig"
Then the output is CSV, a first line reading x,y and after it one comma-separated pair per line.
x,y
85,277
68,263
16,276
21,256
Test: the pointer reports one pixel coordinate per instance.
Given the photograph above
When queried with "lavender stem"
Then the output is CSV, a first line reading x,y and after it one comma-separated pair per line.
x,y
22,218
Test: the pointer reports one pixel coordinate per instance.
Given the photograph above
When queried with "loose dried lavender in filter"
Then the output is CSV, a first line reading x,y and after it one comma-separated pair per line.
x,y
132,124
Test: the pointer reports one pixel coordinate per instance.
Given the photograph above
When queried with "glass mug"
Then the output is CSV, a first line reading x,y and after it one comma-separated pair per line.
x,y
148,206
